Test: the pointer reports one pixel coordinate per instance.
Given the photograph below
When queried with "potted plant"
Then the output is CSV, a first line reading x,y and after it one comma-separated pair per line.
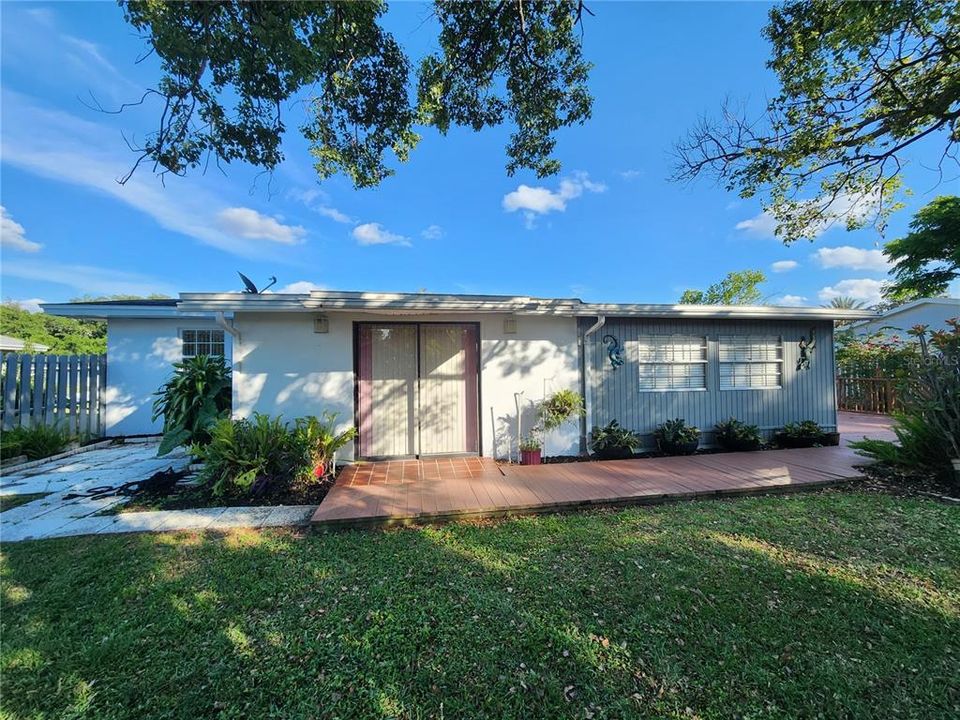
x,y
733,434
675,437
613,442
530,450
800,434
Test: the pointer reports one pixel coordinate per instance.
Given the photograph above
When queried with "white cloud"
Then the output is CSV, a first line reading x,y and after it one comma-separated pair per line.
x,y
535,201
781,266
791,300
249,224
865,289
846,256
319,201
376,234
845,208
31,305
301,287
333,214
62,147
13,236
631,174
87,278
433,232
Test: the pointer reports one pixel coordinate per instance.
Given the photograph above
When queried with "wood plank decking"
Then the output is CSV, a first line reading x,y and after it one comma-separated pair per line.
x,y
415,491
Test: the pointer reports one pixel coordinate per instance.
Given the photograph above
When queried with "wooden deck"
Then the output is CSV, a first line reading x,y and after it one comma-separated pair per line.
x,y
411,491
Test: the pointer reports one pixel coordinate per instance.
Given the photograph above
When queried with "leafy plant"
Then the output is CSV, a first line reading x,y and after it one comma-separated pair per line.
x,y
928,427
196,396
561,407
530,443
734,434
36,442
250,456
319,439
612,440
674,434
807,429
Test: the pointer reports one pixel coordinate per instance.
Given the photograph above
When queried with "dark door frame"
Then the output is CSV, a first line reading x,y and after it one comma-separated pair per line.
x,y
357,448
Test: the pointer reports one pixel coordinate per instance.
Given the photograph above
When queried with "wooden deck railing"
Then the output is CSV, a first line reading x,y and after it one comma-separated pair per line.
x,y
867,394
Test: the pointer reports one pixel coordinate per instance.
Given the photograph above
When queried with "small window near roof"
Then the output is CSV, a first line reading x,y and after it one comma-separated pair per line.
x,y
672,362
202,342
750,362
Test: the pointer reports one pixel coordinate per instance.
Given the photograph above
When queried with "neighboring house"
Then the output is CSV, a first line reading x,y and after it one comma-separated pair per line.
x,y
933,312
425,374
12,344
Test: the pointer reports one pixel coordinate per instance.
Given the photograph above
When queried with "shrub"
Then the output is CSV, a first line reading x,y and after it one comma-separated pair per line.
x,y
319,440
252,456
928,426
676,436
529,443
733,434
36,442
613,441
561,407
193,399
805,430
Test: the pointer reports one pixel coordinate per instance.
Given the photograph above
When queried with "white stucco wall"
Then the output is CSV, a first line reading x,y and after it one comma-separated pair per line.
x,y
140,355
281,366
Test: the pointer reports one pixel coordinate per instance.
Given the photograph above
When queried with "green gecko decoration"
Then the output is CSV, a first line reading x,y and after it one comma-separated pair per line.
x,y
806,348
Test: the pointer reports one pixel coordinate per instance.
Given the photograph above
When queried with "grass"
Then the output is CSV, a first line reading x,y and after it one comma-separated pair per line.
x,y
8,502
836,604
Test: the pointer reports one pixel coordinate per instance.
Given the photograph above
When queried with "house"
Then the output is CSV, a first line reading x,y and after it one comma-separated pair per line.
x,y
426,374
12,344
933,312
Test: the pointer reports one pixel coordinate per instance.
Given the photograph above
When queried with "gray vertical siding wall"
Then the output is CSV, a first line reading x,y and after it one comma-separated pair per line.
x,y
614,393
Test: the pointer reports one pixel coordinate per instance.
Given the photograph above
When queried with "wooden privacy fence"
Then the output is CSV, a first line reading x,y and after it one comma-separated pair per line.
x,y
64,390
867,394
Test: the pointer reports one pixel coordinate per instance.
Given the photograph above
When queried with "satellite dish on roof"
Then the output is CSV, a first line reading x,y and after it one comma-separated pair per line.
x,y
251,288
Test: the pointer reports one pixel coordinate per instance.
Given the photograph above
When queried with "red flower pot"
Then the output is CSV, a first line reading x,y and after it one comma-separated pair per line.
x,y
530,457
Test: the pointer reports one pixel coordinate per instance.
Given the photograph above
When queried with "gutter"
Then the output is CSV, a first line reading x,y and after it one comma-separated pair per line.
x,y
584,389
228,327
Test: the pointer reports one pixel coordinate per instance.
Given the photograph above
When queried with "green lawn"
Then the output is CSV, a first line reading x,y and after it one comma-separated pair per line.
x,y
9,502
838,604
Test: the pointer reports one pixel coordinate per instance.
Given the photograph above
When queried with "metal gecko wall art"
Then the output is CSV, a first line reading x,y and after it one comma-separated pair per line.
x,y
614,351
806,347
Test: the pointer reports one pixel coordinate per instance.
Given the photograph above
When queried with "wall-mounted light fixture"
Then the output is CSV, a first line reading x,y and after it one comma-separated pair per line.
x,y
321,324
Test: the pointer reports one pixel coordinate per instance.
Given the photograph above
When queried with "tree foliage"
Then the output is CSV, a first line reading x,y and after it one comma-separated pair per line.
x,y
737,288
231,70
63,336
927,259
860,82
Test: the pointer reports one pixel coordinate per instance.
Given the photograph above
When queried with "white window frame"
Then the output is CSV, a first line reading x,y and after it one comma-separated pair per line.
x,y
659,341
197,343
748,350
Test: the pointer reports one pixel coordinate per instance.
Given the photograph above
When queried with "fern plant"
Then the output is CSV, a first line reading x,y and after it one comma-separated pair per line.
x,y
319,440
197,395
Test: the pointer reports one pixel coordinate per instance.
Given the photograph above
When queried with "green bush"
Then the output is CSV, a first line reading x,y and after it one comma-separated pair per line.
x,y
806,429
733,434
319,440
197,395
253,456
676,436
614,441
35,442
928,426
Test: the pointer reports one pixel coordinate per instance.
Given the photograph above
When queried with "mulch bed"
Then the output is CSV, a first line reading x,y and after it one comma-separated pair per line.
x,y
894,481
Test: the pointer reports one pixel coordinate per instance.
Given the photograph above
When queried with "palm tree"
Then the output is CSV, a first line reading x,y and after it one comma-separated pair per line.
x,y
844,303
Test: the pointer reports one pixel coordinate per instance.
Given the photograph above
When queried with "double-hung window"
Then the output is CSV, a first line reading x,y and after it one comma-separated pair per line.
x,y
672,362
202,342
750,362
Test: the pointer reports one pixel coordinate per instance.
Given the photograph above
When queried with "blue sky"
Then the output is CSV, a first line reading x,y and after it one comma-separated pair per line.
x,y
610,227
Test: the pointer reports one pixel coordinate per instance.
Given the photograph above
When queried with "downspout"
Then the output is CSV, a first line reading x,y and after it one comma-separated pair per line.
x,y
227,326
235,334
584,385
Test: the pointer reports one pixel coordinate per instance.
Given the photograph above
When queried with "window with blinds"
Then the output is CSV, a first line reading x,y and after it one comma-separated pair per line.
x,y
202,342
672,362
750,362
